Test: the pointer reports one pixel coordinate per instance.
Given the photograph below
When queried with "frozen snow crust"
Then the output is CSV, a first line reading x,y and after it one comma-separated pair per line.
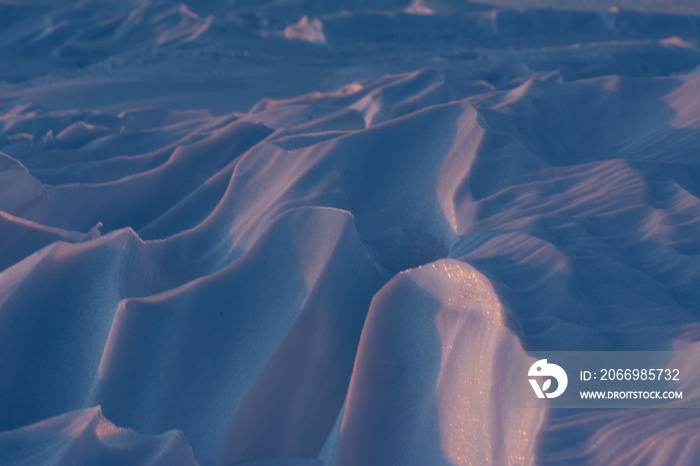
x,y
295,233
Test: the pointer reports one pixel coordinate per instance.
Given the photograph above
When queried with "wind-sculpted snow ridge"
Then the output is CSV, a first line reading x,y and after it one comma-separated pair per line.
x,y
86,437
425,386
309,234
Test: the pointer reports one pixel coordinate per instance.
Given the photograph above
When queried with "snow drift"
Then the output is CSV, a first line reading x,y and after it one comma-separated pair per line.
x,y
309,234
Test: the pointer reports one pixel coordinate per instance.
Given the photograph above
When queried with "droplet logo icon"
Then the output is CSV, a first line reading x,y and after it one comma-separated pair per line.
x,y
541,369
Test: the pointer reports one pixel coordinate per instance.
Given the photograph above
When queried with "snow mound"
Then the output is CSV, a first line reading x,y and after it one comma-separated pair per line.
x,y
419,394
310,31
86,437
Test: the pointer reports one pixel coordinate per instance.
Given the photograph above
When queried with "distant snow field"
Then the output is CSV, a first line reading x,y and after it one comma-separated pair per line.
x,y
307,232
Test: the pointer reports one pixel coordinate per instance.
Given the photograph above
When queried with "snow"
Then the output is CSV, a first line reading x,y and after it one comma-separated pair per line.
x,y
309,233
418,394
85,436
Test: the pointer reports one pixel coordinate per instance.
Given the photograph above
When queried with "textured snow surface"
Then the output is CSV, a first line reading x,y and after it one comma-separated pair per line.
x,y
86,437
309,233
